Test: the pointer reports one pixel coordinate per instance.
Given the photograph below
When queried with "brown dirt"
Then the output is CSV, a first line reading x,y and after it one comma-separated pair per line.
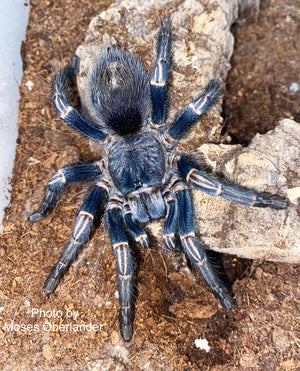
x,y
172,307
264,65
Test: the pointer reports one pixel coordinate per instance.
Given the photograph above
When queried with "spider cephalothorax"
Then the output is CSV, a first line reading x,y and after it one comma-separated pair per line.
x,y
140,178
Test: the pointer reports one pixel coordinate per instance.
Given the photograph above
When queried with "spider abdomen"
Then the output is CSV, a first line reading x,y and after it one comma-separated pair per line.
x,y
120,92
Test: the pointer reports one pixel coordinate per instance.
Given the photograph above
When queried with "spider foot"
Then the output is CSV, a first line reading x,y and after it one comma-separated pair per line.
x,y
225,298
37,216
54,277
127,331
48,204
74,64
50,285
271,200
126,322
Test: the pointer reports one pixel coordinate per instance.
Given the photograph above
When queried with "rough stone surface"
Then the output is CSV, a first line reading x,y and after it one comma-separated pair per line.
x,y
270,163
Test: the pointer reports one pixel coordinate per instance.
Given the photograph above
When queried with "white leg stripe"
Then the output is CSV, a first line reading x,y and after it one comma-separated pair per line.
x,y
65,113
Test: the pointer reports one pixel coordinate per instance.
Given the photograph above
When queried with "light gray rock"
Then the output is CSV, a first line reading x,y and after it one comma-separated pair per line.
x,y
270,163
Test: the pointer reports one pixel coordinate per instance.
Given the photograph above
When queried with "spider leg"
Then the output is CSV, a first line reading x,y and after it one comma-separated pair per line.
x,y
194,176
137,232
80,234
171,223
192,112
58,183
159,74
124,267
193,250
66,111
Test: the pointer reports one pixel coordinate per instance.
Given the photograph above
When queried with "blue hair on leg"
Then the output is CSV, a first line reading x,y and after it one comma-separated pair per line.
x,y
80,234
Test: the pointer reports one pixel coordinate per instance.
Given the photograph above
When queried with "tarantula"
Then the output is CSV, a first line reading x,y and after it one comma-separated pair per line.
x,y
140,178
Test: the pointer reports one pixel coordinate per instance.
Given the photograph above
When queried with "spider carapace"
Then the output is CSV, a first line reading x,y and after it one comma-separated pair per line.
x,y
141,177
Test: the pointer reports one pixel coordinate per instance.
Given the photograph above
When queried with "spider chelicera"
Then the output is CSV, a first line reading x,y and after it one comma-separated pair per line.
x,y
140,178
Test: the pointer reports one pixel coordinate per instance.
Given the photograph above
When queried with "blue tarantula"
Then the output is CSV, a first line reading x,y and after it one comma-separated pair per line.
x,y
140,178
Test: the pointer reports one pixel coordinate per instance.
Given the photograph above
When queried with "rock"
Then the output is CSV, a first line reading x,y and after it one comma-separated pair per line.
x,y
271,162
